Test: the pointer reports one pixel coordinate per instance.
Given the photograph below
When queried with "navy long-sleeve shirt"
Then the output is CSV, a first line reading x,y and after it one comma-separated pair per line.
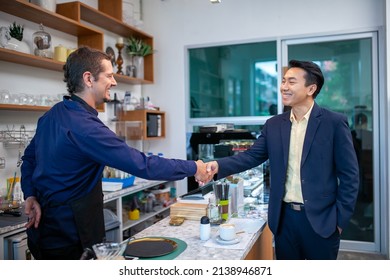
x,y
67,155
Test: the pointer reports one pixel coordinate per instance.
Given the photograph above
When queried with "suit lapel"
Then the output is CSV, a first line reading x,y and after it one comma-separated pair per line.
x,y
314,122
286,133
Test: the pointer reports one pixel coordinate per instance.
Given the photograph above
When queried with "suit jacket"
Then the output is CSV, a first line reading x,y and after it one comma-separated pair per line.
x,y
329,168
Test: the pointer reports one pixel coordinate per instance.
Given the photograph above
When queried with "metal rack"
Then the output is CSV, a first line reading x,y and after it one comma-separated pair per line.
x,y
16,138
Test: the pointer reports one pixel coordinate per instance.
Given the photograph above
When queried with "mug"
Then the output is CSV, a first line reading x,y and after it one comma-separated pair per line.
x,y
227,232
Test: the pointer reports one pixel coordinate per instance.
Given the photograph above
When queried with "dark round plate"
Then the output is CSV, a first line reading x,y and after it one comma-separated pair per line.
x,y
149,247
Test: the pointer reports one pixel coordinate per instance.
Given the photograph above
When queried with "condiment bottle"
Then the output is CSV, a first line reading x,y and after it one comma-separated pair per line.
x,y
205,229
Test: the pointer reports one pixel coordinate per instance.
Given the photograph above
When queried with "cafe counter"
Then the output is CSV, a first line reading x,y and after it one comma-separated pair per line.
x,y
255,240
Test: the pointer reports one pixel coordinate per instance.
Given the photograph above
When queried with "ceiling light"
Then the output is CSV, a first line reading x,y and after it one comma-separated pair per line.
x,y
215,1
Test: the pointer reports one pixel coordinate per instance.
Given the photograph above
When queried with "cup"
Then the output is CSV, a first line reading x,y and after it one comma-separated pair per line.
x,y
60,53
227,232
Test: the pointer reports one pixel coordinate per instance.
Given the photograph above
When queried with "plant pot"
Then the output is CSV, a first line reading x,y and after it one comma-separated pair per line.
x,y
17,45
50,5
138,63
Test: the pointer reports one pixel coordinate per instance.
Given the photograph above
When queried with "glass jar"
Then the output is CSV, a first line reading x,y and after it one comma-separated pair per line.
x,y
213,211
42,43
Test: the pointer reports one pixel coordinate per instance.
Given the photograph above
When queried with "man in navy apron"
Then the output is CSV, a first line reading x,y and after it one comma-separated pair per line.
x,y
62,166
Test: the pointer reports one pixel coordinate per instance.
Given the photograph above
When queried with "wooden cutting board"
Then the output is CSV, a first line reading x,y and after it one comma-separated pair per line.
x,y
189,211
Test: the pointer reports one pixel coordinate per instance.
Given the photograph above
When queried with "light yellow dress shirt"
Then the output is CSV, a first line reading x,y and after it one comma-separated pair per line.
x,y
293,192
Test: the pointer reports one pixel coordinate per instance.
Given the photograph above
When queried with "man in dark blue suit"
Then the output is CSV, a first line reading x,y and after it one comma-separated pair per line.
x,y
313,166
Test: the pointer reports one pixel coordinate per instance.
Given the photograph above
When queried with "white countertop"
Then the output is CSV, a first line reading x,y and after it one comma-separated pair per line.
x,y
208,250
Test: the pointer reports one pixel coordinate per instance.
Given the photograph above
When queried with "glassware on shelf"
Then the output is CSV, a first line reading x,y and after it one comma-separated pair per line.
x,y
5,96
42,43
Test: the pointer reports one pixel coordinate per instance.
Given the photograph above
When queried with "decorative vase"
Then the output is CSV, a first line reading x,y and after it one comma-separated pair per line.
x,y
138,63
17,45
50,5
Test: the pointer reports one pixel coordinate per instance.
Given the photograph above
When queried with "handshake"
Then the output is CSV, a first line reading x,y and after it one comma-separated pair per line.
x,y
205,171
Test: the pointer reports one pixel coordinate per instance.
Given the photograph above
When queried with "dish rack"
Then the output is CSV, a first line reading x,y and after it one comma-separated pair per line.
x,y
16,138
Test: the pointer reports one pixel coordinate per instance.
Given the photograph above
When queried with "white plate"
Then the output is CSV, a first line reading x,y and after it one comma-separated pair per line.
x,y
227,242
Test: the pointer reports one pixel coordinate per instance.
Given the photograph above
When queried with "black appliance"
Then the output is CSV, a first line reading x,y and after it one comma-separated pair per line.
x,y
208,146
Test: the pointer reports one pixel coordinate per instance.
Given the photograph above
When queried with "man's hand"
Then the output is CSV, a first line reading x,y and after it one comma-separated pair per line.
x,y
33,211
212,168
201,175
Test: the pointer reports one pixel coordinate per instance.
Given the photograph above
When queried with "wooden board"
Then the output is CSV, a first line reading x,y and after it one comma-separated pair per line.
x,y
189,211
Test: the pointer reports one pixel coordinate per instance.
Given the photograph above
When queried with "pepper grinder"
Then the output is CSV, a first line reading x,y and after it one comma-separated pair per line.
x,y
205,229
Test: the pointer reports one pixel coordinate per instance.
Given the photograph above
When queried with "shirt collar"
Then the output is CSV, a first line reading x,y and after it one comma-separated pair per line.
x,y
306,116
76,98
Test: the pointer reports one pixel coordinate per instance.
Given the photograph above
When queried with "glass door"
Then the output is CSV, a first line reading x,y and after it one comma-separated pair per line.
x,y
349,64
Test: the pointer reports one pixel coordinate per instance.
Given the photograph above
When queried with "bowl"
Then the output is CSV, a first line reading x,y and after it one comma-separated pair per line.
x,y
109,251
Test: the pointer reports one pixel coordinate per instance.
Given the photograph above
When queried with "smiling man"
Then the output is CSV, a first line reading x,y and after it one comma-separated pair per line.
x,y
313,167
62,166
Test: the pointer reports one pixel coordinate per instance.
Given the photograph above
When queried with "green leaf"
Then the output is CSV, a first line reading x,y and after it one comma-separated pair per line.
x,y
137,47
16,31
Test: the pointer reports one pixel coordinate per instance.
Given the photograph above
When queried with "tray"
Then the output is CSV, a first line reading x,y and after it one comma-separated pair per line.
x,y
149,247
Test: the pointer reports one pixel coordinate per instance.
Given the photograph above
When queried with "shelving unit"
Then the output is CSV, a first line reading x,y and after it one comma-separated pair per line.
x,y
143,116
109,17
68,19
117,197
53,65
86,35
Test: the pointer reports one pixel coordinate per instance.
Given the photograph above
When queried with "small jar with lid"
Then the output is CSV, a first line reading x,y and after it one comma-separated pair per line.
x,y
42,43
205,230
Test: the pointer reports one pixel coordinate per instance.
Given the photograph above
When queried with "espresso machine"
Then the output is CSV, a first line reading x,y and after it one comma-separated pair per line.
x,y
209,146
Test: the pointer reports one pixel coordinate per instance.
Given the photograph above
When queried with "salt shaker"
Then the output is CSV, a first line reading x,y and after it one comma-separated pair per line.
x,y
205,229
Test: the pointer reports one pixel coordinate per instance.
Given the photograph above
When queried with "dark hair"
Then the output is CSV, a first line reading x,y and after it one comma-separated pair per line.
x,y
80,61
313,73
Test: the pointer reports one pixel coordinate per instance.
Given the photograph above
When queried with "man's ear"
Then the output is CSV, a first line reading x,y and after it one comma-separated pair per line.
x,y
312,89
88,78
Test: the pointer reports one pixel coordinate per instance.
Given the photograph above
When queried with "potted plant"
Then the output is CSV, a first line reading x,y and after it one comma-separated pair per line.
x,y
137,49
14,39
16,31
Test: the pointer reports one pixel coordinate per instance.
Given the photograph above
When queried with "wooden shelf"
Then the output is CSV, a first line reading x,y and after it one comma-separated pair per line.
x,y
130,80
67,19
142,116
30,60
53,65
24,107
79,11
86,35
31,108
